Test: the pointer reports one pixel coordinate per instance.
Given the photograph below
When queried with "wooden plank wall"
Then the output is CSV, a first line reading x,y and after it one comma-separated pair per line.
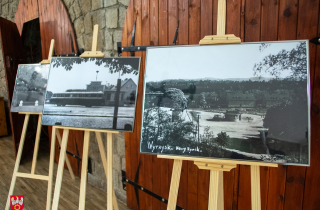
x,y
282,188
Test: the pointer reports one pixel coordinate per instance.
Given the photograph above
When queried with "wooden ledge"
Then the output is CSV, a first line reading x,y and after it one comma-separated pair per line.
x,y
214,166
88,54
220,39
84,129
37,113
218,161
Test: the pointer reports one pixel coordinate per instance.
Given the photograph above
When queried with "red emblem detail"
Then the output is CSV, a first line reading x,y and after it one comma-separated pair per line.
x,y
17,202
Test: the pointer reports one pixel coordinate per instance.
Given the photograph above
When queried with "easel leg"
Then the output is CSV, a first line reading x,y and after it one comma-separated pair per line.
x,y
67,159
62,158
104,161
36,146
16,166
83,184
216,190
174,186
109,172
255,188
51,166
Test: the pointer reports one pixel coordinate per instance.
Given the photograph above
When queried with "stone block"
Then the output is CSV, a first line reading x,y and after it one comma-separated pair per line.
x,y
109,53
88,27
122,15
5,10
98,17
117,34
97,4
85,6
121,146
115,178
88,42
100,44
68,3
108,39
72,14
123,164
77,9
79,26
108,3
112,17
13,8
124,2
94,152
116,162
80,42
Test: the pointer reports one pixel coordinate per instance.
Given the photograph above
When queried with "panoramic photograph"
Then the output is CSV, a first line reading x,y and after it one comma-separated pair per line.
x,y
245,102
97,93
30,88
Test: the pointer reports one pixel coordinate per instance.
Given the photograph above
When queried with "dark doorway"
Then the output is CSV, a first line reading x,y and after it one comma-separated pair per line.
x,y
31,40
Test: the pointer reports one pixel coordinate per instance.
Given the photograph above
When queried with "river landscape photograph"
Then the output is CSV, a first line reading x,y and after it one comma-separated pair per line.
x,y
245,102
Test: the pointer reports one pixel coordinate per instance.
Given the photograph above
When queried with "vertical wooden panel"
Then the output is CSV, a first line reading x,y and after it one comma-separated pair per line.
x,y
183,36
129,138
252,20
307,29
288,15
163,40
269,32
194,38
269,20
194,21
154,22
251,33
206,18
172,19
233,17
244,193
182,39
277,178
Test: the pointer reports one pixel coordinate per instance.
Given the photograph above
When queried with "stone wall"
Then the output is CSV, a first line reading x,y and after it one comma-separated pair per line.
x,y
84,14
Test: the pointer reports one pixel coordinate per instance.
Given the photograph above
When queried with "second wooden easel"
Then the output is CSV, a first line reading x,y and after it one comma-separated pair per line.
x,y
216,166
106,160
32,175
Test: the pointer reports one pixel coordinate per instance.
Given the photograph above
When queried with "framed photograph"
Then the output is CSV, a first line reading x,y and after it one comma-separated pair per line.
x,y
30,88
246,101
98,93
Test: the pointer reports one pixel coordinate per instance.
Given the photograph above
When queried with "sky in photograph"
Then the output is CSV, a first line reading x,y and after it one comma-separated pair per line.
x,y
42,69
215,61
81,75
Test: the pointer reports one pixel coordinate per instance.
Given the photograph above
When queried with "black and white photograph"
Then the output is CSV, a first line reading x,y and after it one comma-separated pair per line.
x,y
98,93
30,88
246,101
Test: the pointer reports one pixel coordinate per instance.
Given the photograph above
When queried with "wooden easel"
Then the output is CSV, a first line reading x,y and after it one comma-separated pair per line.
x,y
32,175
107,161
216,166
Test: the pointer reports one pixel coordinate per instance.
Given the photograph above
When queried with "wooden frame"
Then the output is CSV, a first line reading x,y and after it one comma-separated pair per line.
x,y
107,161
32,175
216,166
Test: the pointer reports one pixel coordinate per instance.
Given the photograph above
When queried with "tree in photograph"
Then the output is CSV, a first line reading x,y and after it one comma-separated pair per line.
x,y
180,102
115,65
222,140
294,60
203,101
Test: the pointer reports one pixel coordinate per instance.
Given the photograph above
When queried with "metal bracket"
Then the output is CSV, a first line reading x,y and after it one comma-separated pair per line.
x,y
137,187
133,48
73,155
315,40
